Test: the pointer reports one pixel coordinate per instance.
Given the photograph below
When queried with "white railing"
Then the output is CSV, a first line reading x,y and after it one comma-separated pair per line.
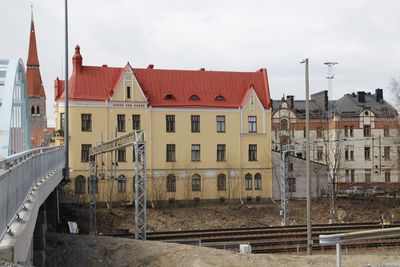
x,y
18,174
339,239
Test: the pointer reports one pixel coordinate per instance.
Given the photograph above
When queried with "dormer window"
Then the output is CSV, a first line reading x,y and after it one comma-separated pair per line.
x,y
169,97
219,98
194,97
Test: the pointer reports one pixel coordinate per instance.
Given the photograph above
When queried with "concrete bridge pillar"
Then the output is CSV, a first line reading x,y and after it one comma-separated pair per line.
x,y
39,238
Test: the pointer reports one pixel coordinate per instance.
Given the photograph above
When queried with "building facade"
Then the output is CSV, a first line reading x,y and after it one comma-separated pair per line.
x,y
355,136
207,132
36,94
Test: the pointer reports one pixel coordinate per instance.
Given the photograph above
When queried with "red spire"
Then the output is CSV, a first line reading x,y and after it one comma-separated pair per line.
x,y
34,79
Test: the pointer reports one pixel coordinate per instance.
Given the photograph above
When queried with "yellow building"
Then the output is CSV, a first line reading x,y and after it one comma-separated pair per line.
x,y
208,133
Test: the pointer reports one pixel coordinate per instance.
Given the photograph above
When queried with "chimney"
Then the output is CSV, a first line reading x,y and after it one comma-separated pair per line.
x,y
77,60
379,95
290,101
104,66
361,96
150,67
57,88
202,69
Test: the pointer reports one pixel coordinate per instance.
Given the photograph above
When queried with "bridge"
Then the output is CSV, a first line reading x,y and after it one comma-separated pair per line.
x,y
26,181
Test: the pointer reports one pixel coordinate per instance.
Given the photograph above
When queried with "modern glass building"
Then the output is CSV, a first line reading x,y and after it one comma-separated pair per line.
x,y
14,123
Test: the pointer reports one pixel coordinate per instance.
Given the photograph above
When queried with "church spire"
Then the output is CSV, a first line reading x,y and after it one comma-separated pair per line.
x,y
33,59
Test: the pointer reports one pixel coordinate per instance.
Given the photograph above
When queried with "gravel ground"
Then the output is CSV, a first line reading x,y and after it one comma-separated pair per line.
x,y
76,251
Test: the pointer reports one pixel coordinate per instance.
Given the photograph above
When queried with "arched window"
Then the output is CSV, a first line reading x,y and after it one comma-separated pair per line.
x,y
171,183
196,182
248,181
32,110
37,110
221,182
219,98
257,181
194,97
80,185
284,125
169,97
122,184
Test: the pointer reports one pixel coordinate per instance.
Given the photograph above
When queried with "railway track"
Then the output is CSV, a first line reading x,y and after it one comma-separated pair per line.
x,y
276,239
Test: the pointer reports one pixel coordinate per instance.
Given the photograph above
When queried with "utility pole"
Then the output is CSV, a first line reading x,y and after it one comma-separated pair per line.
x,y
66,111
330,77
308,178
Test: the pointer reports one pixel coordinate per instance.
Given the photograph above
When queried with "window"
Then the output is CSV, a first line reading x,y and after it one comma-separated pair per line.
x,y
95,183
221,182
367,153
135,122
170,123
62,121
121,123
195,119
349,153
352,176
252,124
320,152
304,132
386,154
284,125
220,124
121,154
196,182
85,152
367,130
171,183
33,110
248,179
346,131
121,184
351,131
252,152
169,97
386,131
367,175
257,181
290,166
347,175
319,132
196,152
387,176
86,122
194,97
219,98
80,185
128,92
221,152
170,152
292,184
37,111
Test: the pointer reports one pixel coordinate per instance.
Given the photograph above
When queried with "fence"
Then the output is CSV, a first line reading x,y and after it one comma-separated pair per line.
x,y
18,174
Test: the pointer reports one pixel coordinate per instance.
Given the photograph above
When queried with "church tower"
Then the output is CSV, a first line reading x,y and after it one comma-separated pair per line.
x,y
36,93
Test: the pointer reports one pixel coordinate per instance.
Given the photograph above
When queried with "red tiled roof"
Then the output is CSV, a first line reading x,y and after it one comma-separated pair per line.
x,y
34,79
98,83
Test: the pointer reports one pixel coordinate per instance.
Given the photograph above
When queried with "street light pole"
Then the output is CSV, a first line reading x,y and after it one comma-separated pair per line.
x,y
66,132
308,178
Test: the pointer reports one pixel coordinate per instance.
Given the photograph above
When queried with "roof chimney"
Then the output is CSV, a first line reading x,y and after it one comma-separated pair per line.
x,y
361,96
104,65
77,60
202,69
150,67
379,95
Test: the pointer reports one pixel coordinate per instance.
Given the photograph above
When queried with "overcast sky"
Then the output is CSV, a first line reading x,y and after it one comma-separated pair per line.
x,y
362,35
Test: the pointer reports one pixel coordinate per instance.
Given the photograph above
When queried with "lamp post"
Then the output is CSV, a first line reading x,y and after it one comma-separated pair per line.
x,y
308,178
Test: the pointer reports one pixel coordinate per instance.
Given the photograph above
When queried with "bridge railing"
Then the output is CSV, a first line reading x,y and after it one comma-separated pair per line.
x,y
18,173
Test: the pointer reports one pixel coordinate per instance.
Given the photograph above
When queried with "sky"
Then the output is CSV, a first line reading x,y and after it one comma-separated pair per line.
x,y
363,36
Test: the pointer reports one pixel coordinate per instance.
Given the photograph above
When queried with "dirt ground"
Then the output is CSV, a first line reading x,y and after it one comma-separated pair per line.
x,y
235,215
83,250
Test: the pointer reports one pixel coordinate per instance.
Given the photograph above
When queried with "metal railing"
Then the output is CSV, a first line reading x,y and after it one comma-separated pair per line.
x,y
18,173
338,239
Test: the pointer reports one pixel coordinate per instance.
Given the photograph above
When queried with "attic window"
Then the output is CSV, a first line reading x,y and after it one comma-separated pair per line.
x,y
194,97
366,113
169,97
219,98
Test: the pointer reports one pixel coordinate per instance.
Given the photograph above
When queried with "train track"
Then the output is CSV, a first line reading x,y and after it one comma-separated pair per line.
x,y
276,239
